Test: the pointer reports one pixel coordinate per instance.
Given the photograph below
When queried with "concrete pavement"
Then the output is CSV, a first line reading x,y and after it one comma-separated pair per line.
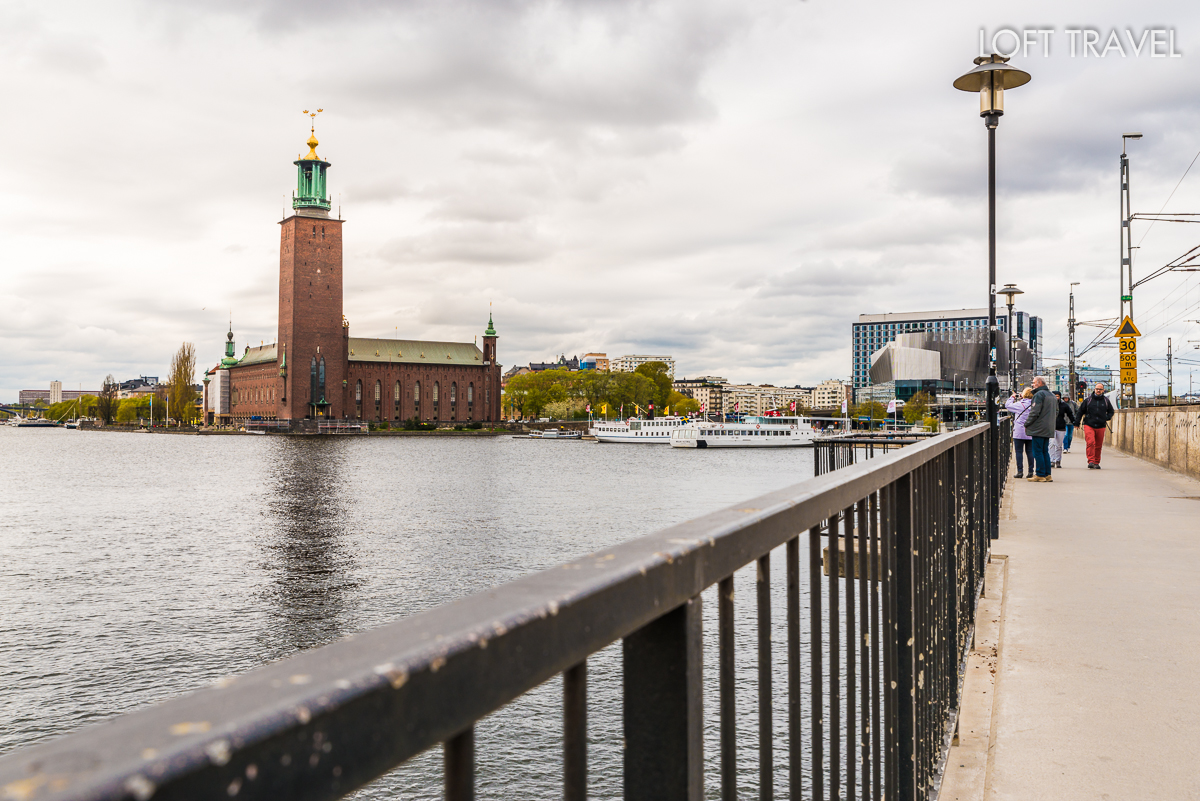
x,y
1098,686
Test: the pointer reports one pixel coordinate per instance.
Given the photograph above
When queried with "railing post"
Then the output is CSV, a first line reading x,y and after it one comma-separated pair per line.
x,y
575,733
458,757
902,609
664,751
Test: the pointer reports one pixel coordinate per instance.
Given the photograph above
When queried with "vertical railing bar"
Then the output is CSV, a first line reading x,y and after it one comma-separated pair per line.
x,y
875,581
815,679
795,748
575,733
835,674
890,759
726,679
903,609
766,759
458,762
864,645
847,562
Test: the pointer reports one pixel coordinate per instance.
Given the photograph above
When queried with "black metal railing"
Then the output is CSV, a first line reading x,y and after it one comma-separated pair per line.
x,y
873,674
842,450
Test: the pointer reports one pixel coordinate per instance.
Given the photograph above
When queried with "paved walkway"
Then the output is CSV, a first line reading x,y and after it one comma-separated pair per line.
x,y
1098,691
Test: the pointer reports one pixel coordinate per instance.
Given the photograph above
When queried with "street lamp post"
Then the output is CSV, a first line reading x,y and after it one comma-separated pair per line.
x,y
1010,291
991,76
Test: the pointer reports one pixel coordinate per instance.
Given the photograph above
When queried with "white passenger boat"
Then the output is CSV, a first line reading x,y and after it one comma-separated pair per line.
x,y
556,433
752,432
644,432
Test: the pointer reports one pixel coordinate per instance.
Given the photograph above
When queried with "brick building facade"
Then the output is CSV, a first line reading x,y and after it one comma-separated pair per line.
x,y
315,369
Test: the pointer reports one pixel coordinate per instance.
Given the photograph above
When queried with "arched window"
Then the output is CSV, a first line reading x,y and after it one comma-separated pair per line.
x,y
417,392
435,391
453,392
358,392
320,380
397,398
470,393
378,391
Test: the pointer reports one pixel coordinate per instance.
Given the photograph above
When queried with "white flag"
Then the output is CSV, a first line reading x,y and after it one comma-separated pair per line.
x,y
843,405
892,406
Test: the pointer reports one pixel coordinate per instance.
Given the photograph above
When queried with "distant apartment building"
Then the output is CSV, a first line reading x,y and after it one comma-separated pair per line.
x,y
763,398
829,394
595,361
137,387
627,364
872,332
705,390
30,396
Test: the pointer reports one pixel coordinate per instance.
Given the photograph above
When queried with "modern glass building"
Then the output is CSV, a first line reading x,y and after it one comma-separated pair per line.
x,y
873,331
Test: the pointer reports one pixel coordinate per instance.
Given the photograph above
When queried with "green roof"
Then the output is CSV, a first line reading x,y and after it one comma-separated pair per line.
x,y
259,355
414,351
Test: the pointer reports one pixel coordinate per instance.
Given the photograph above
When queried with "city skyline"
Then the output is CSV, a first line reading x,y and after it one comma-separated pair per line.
x,y
701,179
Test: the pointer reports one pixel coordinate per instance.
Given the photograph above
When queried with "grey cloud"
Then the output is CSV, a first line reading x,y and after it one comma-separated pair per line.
x,y
470,243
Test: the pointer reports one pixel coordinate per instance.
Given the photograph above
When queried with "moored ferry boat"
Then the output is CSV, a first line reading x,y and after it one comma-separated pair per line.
x,y
644,432
752,432
556,433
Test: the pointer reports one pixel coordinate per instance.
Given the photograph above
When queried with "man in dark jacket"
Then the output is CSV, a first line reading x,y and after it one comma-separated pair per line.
x,y
1064,418
1094,414
1040,427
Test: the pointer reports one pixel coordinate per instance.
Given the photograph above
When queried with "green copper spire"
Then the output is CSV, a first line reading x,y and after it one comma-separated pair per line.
x,y
311,191
491,329
229,360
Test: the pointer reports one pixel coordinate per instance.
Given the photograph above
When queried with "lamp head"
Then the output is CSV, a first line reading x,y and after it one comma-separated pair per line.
x,y
1009,291
991,76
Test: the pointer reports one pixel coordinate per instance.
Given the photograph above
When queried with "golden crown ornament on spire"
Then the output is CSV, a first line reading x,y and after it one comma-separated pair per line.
x,y
312,140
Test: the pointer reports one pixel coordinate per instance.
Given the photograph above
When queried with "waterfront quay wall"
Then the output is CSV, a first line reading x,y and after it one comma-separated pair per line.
x,y
1166,435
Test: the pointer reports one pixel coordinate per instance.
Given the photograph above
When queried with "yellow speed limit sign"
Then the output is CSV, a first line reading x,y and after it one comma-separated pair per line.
x,y
1128,360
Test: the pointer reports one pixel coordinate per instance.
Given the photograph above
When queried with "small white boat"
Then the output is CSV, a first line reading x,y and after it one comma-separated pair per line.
x,y
556,433
642,432
752,432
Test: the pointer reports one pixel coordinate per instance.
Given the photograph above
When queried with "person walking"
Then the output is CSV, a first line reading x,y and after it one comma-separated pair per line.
x,y
1018,406
1063,417
1074,404
1040,426
1094,414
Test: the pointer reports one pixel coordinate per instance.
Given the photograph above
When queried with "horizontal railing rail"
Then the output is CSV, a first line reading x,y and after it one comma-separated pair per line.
x,y
906,537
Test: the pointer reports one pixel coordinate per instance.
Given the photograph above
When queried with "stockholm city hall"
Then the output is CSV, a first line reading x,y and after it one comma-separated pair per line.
x,y
316,370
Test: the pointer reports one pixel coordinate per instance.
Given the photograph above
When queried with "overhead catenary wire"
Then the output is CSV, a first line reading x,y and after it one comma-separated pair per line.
x,y
1168,200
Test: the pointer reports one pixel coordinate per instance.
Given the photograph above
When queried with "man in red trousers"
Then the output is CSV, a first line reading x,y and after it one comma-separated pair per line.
x,y
1094,414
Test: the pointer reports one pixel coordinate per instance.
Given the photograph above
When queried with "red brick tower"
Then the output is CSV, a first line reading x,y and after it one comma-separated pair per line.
x,y
313,341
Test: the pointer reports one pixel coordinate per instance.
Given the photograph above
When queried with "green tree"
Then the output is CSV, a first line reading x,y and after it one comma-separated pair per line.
x,y
872,409
657,372
916,408
106,403
181,387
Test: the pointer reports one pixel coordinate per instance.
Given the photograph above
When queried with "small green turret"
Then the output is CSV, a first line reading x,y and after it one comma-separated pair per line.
x,y
230,360
491,329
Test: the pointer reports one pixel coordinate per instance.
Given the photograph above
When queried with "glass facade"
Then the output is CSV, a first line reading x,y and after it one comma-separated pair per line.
x,y
869,337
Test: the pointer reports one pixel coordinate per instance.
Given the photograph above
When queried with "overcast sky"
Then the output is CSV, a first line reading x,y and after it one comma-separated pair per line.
x,y
730,183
